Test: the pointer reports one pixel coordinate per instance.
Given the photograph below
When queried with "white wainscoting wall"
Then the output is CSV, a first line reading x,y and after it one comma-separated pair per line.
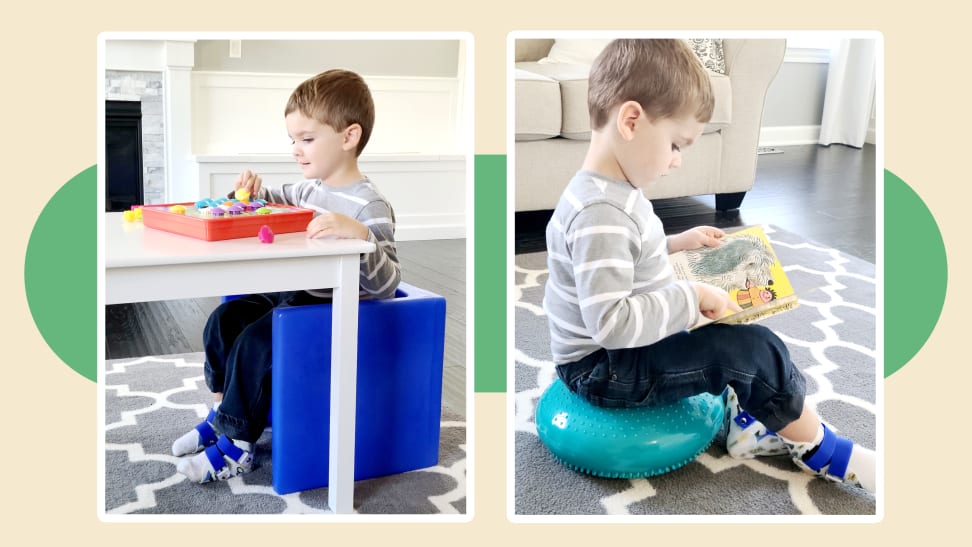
x,y
428,192
243,113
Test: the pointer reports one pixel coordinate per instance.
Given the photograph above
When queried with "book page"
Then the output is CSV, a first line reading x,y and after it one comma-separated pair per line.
x,y
746,267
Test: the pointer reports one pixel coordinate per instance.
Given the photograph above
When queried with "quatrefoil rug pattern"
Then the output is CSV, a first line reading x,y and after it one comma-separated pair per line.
x,y
152,400
832,339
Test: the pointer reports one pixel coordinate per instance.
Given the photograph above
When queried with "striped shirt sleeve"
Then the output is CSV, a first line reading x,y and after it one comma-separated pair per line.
x,y
287,194
380,270
618,309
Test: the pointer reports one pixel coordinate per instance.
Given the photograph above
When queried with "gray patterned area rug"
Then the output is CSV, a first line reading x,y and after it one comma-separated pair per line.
x,y
150,401
831,337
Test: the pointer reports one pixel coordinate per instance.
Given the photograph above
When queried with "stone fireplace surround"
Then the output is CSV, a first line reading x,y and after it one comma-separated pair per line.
x,y
146,88
156,72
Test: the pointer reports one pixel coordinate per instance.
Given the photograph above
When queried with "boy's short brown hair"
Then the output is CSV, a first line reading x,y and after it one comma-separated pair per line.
x,y
663,76
337,98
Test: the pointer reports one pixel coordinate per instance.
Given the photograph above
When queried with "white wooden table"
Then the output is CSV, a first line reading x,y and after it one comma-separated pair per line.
x,y
144,264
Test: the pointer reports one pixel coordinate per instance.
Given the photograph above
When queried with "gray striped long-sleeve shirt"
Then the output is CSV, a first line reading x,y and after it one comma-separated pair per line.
x,y
610,284
380,270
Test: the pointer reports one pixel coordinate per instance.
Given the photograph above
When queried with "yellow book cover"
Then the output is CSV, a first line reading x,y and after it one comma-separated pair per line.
x,y
746,267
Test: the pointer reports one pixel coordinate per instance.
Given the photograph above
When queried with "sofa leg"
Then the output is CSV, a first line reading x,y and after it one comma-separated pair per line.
x,y
728,202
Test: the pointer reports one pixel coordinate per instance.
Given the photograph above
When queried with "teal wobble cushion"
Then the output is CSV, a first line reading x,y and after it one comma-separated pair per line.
x,y
626,442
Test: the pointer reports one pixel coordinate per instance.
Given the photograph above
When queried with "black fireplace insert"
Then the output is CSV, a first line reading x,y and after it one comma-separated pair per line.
x,y
123,155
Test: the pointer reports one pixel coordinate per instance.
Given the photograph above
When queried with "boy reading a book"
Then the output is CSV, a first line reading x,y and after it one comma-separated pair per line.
x,y
329,119
617,315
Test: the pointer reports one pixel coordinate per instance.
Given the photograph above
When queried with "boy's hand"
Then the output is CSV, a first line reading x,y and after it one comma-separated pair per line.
x,y
338,226
248,181
700,236
713,301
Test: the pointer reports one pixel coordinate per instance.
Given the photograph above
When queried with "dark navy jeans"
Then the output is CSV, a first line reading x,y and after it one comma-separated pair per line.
x,y
750,358
238,340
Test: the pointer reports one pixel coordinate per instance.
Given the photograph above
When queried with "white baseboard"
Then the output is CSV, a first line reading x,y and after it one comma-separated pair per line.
x,y
788,135
799,134
870,138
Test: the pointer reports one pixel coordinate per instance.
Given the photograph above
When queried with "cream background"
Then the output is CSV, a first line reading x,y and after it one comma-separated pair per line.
x,y
49,117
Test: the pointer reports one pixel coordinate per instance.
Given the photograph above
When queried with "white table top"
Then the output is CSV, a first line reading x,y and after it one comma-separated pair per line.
x,y
145,264
131,244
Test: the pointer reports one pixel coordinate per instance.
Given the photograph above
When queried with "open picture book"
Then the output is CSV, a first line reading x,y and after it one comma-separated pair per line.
x,y
746,267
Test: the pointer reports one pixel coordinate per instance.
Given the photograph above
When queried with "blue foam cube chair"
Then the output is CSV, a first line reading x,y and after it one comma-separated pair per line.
x,y
399,388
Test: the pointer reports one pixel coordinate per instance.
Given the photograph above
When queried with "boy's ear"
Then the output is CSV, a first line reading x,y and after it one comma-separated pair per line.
x,y
352,135
628,114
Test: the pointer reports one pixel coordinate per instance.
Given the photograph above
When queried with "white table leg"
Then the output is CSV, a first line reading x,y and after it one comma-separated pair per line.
x,y
344,373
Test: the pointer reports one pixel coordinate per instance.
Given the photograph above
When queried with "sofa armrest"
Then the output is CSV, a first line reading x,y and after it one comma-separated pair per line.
x,y
751,65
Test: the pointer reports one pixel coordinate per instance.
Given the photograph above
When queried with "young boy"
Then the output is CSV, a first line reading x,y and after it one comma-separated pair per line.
x,y
618,317
329,119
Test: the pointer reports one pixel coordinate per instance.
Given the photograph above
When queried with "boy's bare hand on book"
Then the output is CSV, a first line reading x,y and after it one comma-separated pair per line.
x,y
695,238
713,301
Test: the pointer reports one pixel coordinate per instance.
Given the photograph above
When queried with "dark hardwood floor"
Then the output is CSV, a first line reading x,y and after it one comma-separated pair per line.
x,y
825,194
175,326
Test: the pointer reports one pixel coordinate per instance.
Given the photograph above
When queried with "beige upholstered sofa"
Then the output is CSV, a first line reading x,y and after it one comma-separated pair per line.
x,y
553,128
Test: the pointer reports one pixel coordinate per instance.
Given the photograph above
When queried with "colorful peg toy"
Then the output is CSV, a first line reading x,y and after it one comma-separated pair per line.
x,y
133,214
265,235
225,218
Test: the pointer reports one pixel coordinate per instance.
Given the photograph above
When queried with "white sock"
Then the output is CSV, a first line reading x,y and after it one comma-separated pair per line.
x,y
799,448
190,442
860,466
199,469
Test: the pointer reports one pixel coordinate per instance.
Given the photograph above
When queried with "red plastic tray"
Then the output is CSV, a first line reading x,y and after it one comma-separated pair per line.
x,y
283,219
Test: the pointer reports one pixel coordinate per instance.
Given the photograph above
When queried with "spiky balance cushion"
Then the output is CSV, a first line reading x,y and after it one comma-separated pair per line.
x,y
626,442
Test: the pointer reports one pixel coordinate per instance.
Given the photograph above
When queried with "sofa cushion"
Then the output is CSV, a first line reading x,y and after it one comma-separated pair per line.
x,y
575,51
531,49
574,118
575,121
538,106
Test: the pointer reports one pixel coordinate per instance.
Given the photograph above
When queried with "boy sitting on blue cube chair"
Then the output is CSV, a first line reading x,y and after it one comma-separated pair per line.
x,y
329,119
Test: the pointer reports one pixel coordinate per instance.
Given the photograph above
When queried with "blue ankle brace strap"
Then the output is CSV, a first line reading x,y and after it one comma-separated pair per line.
x,y
745,419
834,450
206,432
224,446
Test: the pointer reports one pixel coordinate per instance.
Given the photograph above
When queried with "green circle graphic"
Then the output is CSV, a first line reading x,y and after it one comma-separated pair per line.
x,y
60,273
915,273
